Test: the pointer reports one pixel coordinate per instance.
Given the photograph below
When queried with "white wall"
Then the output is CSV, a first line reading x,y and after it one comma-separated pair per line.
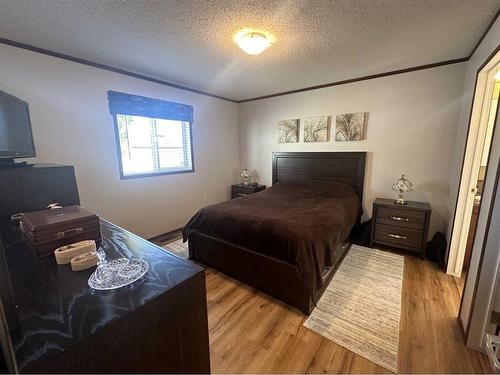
x,y
72,125
411,129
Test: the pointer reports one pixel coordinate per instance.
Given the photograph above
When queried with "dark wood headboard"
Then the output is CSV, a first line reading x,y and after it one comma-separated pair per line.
x,y
346,167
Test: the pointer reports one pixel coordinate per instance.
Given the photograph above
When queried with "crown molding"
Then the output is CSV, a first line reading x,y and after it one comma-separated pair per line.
x,y
358,79
109,68
486,31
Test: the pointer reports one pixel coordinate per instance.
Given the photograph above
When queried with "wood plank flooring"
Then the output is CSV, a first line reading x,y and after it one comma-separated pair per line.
x,y
251,332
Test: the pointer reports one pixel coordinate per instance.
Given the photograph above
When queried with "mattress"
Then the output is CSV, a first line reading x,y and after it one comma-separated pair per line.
x,y
301,223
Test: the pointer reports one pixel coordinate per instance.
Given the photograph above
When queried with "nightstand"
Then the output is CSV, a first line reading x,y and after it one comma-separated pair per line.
x,y
401,226
240,190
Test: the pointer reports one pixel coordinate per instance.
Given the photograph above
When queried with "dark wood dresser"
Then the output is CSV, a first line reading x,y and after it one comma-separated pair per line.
x,y
401,226
240,190
54,323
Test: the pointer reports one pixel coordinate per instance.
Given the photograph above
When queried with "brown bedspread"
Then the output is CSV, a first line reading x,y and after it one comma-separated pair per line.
x,y
301,223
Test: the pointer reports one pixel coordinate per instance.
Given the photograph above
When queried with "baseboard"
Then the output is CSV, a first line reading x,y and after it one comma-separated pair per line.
x,y
464,335
161,238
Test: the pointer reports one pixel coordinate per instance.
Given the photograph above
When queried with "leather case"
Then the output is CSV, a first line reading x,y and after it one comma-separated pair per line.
x,y
46,230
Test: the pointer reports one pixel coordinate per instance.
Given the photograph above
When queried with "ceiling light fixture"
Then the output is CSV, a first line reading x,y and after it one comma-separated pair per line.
x,y
253,42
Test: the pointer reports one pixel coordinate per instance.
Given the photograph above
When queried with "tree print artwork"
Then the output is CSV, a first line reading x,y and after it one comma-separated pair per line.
x,y
350,126
288,131
317,129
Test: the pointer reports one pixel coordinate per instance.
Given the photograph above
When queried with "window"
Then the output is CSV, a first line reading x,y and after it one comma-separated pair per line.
x,y
150,145
159,143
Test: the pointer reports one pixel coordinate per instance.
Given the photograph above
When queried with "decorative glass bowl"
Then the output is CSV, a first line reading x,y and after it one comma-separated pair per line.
x,y
117,273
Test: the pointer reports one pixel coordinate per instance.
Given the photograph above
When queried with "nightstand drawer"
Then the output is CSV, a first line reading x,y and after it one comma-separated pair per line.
x,y
242,189
401,218
402,237
237,195
239,190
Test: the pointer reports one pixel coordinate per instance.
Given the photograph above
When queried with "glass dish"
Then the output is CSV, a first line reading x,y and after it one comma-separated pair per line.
x,y
117,273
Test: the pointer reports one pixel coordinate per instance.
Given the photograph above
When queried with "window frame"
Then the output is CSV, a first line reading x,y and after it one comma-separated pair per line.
x,y
149,174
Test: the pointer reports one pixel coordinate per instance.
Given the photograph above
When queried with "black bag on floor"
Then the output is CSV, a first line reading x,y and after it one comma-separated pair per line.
x,y
362,234
436,249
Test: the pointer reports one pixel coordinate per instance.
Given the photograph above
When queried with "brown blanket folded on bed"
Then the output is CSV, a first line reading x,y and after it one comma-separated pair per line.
x,y
301,223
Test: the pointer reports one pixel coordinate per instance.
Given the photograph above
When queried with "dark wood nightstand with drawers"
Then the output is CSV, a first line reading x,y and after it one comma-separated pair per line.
x,y
240,190
401,226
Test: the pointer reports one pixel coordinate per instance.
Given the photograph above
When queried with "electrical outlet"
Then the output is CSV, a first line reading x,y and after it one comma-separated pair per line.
x,y
205,198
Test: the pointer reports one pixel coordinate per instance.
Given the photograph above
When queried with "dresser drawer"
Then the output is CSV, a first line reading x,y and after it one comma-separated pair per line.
x,y
401,218
401,237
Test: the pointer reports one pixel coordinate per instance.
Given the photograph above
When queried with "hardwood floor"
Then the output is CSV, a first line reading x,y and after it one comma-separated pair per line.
x,y
252,333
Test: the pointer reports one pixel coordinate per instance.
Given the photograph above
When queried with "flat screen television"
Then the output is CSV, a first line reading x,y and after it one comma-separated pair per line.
x,y
16,138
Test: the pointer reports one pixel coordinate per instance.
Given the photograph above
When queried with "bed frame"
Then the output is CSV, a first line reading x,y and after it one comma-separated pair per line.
x,y
270,275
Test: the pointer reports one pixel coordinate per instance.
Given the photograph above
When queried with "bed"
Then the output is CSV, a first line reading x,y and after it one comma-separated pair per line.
x,y
289,239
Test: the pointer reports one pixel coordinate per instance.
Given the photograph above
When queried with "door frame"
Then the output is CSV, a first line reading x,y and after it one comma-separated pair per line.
x,y
474,145
486,276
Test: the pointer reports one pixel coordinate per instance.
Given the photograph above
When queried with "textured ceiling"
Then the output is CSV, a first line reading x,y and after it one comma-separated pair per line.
x,y
190,42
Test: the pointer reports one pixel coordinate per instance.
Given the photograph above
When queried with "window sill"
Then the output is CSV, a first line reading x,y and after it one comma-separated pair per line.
x,y
154,174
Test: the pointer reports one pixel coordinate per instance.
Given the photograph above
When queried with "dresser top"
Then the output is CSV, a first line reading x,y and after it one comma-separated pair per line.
x,y
29,166
49,308
410,204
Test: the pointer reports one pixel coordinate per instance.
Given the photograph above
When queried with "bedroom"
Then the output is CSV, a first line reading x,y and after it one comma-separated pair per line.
x,y
85,68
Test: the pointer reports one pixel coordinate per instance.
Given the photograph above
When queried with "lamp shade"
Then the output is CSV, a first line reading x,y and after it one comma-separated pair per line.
x,y
402,185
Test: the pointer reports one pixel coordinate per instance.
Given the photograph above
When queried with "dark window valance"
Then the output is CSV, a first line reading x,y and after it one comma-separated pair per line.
x,y
134,105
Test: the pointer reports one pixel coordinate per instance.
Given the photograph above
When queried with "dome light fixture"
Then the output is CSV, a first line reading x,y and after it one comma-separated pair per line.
x,y
253,42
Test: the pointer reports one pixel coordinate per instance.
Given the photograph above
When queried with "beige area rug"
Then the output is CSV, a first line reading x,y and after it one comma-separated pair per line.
x,y
178,248
361,307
